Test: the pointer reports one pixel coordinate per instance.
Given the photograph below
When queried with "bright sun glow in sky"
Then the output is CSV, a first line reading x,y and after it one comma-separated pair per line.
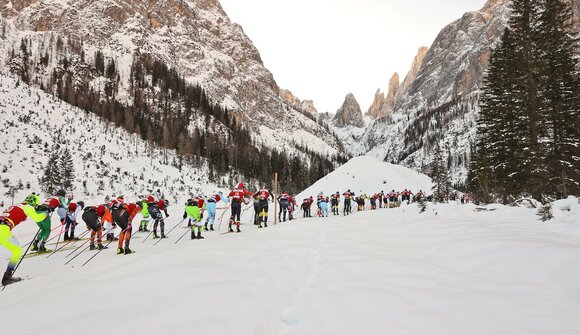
x,y
324,49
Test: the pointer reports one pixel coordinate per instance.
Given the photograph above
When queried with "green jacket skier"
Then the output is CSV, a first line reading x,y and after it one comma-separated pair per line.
x,y
192,211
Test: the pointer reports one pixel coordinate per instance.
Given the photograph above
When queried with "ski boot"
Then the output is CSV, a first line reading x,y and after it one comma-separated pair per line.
x,y
163,235
265,225
205,227
7,279
34,246
120,251
101,246
66,238
141,228
145,229
128,251
199,237
155,236
92,246
260,225
73,238
230,227
211,227
42,247
193,235
238,227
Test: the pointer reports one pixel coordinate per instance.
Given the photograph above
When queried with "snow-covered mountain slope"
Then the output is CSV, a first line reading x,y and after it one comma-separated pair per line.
x,y
441,104
368,175
107,159
450,271
194,37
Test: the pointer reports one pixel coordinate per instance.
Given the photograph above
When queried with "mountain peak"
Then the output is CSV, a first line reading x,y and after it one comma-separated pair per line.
x,y
349,114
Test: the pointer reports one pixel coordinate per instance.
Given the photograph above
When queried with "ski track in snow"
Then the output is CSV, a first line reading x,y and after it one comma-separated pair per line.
x,y
450,270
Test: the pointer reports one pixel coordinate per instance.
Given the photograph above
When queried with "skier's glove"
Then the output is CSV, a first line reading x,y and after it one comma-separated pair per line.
x,y
114,225
184,215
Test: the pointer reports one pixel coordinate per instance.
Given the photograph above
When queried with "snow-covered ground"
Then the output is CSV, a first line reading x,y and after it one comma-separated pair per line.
x,y
450,270
369,175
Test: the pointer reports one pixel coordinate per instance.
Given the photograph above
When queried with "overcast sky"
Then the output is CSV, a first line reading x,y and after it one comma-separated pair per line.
x,y
324,49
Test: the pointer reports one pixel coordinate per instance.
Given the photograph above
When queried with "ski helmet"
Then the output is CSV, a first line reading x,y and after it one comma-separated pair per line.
x,y
150,199
241,185
61,193
31,200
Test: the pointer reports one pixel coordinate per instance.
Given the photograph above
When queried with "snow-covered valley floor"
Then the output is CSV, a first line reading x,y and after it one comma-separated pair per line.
x,y
378,272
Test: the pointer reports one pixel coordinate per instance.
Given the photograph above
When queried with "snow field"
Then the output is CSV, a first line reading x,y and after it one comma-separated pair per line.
x,y
450,270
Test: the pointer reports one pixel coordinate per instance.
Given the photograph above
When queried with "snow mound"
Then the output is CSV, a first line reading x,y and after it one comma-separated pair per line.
x,y
368,175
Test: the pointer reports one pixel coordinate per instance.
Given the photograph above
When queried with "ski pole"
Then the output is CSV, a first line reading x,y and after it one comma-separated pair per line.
x,y
98,252
221,217
80,246
67,243
27,249
177,225
182,236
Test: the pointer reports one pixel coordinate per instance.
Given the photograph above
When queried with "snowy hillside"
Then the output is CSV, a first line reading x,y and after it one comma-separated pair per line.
x,y
195,38
107,159
450,271
368,175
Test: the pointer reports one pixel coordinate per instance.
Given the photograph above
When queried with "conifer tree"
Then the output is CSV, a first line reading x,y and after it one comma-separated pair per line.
x,y
66,170
50,180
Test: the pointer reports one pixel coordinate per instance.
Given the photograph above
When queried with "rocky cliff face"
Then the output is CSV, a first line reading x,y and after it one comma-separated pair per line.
x,y
392,93
349,114
195,37
438,101
374,110
383,105
306,107
413,72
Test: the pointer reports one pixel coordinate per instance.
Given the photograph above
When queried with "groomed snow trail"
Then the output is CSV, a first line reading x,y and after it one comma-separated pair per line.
x,y
447,271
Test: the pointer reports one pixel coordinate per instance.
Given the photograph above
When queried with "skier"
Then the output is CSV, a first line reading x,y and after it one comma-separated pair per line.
x,y
91,216
237,196
71,222
48,206
264,196
155,210
374,201
63,207
323,204
334,201
211,210
292,202
123,215
283,201
145,213
347,198
9,219
108,221
194,214
305,207
256,208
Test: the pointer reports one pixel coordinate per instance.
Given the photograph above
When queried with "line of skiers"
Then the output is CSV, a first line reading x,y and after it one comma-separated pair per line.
x,y
103,219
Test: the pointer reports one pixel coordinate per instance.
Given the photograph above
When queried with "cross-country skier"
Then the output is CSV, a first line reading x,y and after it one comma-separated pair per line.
x,y
334,201
347,199
237,196
156,210
194,214
292,202
92,216
323,204
71,222
64,202
212,210
48,206
284,202
263,196
145,213
123,215
305,207
11,218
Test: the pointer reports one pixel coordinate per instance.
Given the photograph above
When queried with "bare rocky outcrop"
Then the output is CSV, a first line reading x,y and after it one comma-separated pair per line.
x,y
349,114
